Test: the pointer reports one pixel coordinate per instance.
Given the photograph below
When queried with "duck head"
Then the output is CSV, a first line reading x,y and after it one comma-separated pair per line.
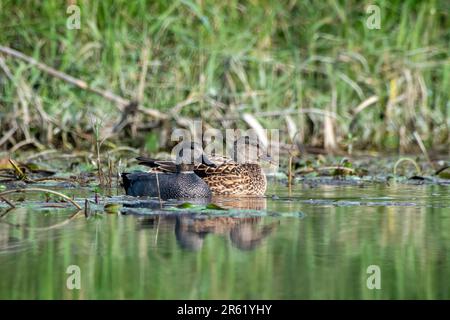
x,y
247,149
188,155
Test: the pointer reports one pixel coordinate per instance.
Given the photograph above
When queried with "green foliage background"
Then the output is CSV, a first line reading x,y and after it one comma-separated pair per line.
x,y
261,57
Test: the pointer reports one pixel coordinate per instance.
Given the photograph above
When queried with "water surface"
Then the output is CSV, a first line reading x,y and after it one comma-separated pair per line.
x,y
315,243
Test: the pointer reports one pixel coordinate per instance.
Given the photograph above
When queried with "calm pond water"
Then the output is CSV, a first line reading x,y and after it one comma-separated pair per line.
x,y
316,243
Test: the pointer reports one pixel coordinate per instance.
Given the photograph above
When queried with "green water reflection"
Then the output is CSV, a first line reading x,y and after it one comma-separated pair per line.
x,y
322,253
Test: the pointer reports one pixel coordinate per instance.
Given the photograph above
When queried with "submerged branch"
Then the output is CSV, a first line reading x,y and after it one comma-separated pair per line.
x,y
8,202
41,190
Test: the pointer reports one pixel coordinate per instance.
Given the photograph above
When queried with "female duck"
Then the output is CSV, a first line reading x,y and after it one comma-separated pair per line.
x,y
241,175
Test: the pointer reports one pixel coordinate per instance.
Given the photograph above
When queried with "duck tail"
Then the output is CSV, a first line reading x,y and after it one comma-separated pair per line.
x,y
152,163
125,180
158,165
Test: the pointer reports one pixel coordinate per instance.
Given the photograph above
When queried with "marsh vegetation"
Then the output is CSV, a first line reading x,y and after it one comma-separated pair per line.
x,y
364,140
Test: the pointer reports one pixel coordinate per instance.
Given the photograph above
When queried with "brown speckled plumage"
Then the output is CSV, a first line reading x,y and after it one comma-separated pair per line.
x,y
234,178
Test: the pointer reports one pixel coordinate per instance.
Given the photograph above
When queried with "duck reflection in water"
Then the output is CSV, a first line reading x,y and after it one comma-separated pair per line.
x,y
191,228
244,233
241,203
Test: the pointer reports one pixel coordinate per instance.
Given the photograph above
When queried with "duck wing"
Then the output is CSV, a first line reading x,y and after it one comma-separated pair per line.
x,y
218,160
157,165
209,164
224,169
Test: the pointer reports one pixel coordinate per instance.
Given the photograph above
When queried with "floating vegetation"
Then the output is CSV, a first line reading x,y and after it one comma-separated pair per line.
x,y
112,208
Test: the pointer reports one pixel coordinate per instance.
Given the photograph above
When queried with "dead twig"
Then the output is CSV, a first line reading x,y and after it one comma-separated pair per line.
x,y
422,147
87,208
9,134
8,202
61,75
40,154
441,170
19,173
24,143
120,102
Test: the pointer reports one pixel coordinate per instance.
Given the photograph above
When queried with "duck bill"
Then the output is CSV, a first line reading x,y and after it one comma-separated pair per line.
x,y
206,161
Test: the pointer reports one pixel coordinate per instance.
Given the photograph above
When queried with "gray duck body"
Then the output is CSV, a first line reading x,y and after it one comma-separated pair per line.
x,y
178,185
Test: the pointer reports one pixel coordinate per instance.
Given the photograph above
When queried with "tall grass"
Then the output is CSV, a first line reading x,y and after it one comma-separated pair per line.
x,y
304,58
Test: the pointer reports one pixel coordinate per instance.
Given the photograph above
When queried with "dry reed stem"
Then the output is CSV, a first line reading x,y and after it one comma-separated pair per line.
x,y
120,102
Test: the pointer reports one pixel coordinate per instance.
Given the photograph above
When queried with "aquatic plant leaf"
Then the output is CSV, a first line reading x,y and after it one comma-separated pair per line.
x,y
186,205
213,206
112,208
348,164
444,173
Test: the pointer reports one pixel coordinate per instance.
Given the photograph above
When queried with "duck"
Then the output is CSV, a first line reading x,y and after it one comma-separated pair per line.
x,y
177,181
241,175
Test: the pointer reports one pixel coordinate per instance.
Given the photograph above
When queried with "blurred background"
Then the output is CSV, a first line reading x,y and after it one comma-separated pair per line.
x,y
323,72
359,91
